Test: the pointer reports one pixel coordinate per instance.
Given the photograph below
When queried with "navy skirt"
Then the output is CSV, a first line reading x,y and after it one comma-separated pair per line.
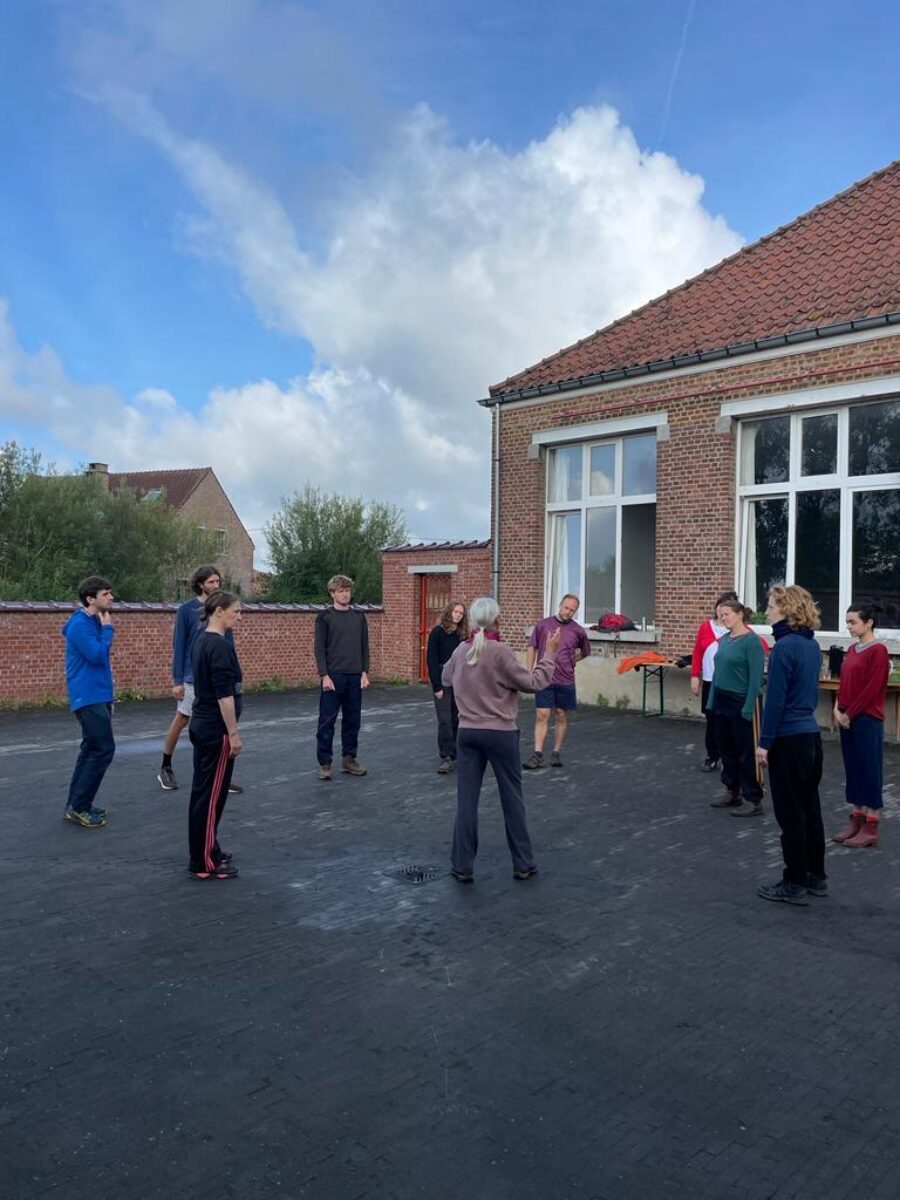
x,y
862,746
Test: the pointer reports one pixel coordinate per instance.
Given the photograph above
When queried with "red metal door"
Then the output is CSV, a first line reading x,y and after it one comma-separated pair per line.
x,y
434,596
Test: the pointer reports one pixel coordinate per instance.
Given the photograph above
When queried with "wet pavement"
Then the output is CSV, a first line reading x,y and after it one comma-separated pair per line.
x,y
632,1023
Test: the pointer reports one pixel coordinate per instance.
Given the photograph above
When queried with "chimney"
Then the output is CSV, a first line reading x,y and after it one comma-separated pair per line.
x,y
99,469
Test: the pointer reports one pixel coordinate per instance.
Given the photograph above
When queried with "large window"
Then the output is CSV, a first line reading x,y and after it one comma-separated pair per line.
x,y
601,526
820,506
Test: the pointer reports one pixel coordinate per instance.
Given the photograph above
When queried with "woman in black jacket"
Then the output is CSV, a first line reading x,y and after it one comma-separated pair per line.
x,y
452,629
214,734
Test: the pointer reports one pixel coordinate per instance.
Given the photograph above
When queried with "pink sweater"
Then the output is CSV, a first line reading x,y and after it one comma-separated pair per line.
x,y
487,692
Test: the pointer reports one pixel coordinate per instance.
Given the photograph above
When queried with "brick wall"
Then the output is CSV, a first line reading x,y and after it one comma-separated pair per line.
x,y
402,591
695,477
271,642
209,506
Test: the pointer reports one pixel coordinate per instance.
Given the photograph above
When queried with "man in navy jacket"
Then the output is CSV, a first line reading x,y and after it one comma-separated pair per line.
x,y
89,635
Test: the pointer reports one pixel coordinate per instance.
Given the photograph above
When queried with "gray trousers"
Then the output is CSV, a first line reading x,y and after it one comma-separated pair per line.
x,y
475,748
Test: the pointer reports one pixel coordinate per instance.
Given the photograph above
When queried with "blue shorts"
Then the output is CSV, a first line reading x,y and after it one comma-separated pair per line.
x,y
557,695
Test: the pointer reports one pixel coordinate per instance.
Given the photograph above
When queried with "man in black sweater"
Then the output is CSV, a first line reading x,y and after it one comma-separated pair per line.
x,y
342,660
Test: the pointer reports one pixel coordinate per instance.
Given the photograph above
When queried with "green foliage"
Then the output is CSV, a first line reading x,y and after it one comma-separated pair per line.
x,y
56,529
314,536
275,684
602,701
130,694
623,703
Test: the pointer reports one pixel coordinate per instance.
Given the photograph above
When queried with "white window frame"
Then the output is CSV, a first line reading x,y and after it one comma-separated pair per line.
x,y
840,480
587,502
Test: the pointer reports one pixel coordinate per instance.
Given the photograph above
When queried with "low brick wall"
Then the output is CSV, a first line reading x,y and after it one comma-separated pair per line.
x,y
274,641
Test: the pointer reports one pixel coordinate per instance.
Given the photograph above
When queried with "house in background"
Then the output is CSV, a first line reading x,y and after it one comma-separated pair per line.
x,y
199,497
739,431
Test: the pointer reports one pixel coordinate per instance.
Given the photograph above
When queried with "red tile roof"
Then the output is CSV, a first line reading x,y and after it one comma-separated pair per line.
x,y
176,485
837,263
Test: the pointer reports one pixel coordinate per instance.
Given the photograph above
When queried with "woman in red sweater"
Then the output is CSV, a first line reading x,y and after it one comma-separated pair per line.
x,y
859,711
702,660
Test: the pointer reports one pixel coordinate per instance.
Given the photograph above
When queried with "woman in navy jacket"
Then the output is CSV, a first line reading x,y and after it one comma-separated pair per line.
x,y
790,744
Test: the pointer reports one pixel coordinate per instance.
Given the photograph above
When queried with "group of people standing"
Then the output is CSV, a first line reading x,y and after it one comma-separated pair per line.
x,y
476,679
728,667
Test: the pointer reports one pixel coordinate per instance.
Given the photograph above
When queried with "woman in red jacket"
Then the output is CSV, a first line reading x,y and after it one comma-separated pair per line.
x,y
859,712
702,660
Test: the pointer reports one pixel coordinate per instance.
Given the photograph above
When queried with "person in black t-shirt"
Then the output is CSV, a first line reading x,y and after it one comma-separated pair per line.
x,y
342,660
452,629
214,735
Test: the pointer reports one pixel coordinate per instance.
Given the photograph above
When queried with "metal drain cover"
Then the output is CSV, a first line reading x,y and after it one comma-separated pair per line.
x,y
415,874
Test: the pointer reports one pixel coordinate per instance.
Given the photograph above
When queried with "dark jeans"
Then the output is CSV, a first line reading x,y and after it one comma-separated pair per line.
x,y
448,723
346,699
712,746
97,749
213,766
475,748
737,738
795,769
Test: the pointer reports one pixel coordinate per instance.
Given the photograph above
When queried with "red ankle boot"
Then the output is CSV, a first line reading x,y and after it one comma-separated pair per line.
x,y
867,836
856,823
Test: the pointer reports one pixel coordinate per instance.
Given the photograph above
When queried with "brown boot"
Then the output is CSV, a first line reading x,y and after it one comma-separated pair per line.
x,y
856,823
352,766
728,800
867,836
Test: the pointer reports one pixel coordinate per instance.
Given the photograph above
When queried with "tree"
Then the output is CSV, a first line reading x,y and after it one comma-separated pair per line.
x,y
56,529
314,536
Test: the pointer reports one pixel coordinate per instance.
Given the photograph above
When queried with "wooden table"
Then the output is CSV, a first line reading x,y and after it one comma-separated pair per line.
x,y
893,689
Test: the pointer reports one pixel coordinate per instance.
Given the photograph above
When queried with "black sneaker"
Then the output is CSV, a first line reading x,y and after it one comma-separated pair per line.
x,y
222,871
556,759
788,893
463,876
535,762
710,765
235,789
167,780
447,767
817,885
524,872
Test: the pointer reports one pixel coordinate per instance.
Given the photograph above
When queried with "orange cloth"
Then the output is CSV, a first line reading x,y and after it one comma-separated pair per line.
x,y
649,658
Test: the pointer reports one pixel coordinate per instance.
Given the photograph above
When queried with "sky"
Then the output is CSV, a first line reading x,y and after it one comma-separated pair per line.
x,y
297,242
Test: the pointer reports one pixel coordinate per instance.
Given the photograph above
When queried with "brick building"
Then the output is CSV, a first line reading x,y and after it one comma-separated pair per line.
x,y
199,497
741,430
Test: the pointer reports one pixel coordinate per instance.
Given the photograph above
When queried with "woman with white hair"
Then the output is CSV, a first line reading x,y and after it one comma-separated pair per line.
x,y
486,678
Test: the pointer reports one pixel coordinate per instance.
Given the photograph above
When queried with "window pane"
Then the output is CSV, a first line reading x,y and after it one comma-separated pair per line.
x,y
875,438
876,552
765,450
603,470
767,538
639,465
638,561
565,557
818,553
819,449
600,592
565,474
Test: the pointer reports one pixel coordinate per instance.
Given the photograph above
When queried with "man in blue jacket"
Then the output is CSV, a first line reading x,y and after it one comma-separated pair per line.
x,y
89,635
188,620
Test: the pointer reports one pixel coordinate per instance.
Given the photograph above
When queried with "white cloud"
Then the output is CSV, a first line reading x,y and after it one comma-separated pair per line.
x,y
447,267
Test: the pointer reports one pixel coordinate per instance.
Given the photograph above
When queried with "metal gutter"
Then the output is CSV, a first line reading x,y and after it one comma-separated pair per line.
x,y
735,350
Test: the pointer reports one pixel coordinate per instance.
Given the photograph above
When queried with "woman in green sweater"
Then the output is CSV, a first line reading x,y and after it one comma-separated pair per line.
x,y
734,701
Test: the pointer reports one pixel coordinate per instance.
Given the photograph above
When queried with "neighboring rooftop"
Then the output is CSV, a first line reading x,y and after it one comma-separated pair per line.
x,y
838,263
175,486
476,545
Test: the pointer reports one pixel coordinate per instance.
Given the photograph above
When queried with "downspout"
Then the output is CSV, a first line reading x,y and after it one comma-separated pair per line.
x,y
495,507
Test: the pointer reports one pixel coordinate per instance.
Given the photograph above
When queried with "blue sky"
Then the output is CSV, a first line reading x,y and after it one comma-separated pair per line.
x,y
297,241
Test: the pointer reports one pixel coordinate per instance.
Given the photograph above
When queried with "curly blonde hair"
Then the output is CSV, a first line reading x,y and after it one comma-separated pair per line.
x,y
798,606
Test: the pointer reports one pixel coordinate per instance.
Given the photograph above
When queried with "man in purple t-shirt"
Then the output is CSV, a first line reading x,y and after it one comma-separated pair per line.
x,y
560,694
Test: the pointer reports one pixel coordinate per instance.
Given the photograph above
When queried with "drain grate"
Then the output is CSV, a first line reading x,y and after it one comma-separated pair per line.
x,y
415,874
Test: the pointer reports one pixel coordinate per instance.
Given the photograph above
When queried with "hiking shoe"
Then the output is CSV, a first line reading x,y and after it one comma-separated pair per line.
x,y
789,893
556,759
167,780
817,885
524,872
710,765
86,818
729,800
463,876
447,767
98,812
235,789
325,771
352,766
748,810
535,762
222,871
